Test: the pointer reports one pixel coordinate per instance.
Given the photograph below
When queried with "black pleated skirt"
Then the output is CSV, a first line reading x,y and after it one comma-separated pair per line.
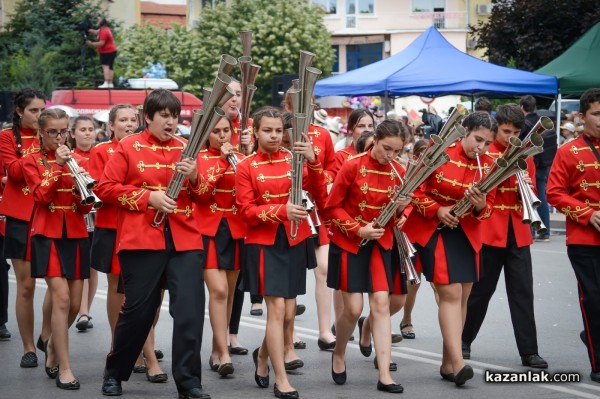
x,y
103,257
62,257
15,238
222,251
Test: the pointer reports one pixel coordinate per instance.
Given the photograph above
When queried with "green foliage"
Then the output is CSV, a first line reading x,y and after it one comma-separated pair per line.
x,y
531,32
41,48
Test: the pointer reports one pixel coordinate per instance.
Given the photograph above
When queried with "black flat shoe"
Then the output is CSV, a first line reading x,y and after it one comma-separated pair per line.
x,y
194,393
111,386
365,350
225,369
285,395
262,382
466,373
213,366
237,350
299,345
157,378
82,325
256,312
391,388
40,344
300,309
140,369
534,361
338,378
159,354
69,386
326,346
4,333
393,365
447,377
294,364
29,360
52,372
407,334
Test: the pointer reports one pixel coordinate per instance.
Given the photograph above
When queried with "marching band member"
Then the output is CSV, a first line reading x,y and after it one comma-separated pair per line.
x,y
276,265
133,180
17,203
241,141
4,267
358,121
361,189
59,238
574,189
223,231
82,139
449,257
506,243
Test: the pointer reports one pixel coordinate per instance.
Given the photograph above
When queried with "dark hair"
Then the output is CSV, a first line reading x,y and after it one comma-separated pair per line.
x,y
589,96
419,147
510,113
480,119
207,144
359,146
264,112
483,104
390,128
21,100
159,100
528,103
356,116
71,139
45,116
287,120
102,22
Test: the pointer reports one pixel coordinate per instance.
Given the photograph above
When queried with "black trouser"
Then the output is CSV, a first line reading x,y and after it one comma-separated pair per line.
x,y
585,260
143,273
3,286
236,308
256,299
518,279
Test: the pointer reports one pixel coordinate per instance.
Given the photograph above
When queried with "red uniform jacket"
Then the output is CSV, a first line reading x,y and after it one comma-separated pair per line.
x,y
106,215
83,154
507,205
574,189
219,201
55,201
235,135
142,164
361,189
342,156
445,187
17,201
263,183
323,148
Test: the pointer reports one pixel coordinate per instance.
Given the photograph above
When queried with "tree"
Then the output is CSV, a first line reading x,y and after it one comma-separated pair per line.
x,y
42,48
532,33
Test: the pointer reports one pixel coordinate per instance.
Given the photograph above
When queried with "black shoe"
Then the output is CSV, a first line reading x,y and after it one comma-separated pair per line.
x,y
256,312
338,378
391,388
466,373
29,360
447,377
285,395
595,376
4,333
111,387
213,366
225,369
583,337
293,365
140,369
40,344
194,393
326,346
365,350
262,382
159,354
466,350
393,365
82,325
69,386
52,372
535,361
157,378
300,309
407,334
396,338
299,345
238,350
333,332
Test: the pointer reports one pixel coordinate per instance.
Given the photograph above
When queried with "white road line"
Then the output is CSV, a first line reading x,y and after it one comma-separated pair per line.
x,y
548,251
403,352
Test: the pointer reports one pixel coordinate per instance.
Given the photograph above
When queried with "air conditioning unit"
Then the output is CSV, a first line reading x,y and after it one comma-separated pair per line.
x,y
471,44
484,9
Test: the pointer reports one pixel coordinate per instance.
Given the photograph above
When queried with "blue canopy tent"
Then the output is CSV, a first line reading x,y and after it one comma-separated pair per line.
x,y
431,66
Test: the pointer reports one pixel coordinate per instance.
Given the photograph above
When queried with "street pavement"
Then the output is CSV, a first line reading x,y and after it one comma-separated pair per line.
x,y
558,326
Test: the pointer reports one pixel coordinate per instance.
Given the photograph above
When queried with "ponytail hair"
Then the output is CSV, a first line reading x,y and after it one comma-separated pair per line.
x,y
259,114
21,100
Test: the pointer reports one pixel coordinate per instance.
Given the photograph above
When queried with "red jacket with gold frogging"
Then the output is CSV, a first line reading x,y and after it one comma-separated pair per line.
x,y
263,183
106,215
445,187
142,164
53,192
17,201
323,148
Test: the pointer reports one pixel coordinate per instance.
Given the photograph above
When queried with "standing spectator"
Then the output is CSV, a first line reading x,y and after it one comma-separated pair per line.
x,y
567,131
107,49
485,105
569,191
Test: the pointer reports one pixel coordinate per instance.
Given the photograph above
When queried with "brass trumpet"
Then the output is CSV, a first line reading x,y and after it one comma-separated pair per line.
x,y
406,251
83,184
530,203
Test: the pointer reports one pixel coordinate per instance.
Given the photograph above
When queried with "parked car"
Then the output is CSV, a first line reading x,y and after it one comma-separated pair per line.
x,y
569,104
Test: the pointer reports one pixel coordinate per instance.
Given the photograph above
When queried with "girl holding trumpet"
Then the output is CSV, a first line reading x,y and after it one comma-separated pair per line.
x,y
276,263
450,256
59,238
363,187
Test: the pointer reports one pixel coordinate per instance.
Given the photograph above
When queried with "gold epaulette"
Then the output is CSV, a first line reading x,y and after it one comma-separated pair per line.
x,y
130,137
247,156
362,154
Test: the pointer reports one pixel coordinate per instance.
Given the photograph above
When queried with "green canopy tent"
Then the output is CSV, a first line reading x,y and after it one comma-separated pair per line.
x,y
577,68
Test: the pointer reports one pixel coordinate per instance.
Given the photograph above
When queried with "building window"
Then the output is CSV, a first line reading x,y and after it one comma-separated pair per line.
x,y
428,5
211,3
359,55
358,7
336,64
329,6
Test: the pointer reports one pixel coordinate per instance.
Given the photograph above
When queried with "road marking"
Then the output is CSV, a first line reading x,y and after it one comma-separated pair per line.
x,y
548,251
404,353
